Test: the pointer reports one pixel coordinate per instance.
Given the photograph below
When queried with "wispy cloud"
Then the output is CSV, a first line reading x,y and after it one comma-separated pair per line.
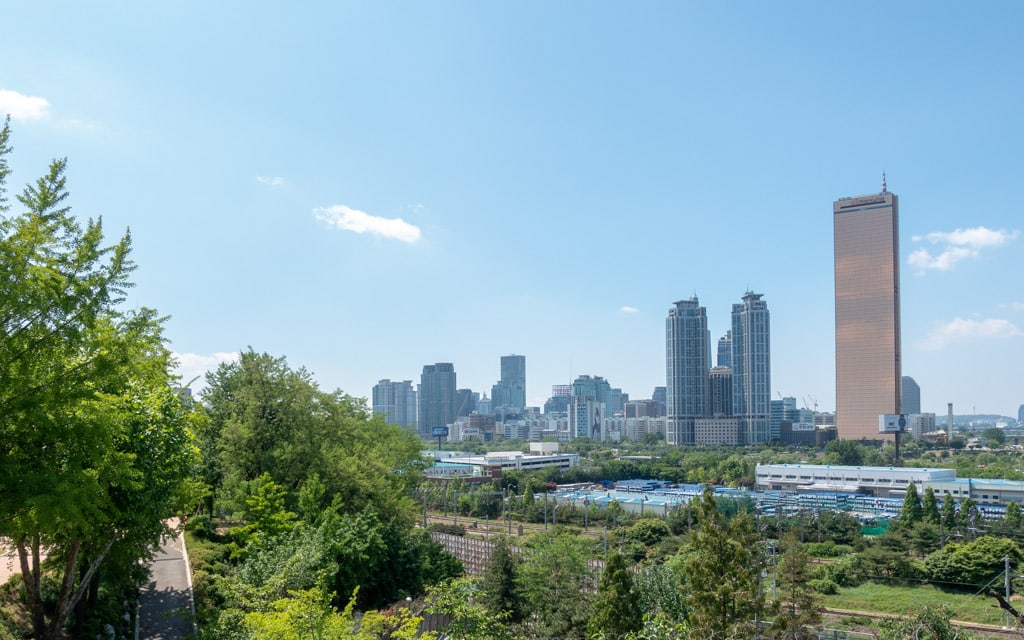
x,y
347,219
22,107
193,366
960,330
272,181
1013,306
956,246
628,309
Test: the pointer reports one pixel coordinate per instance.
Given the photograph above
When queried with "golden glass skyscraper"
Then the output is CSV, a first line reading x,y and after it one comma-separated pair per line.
x,y
868,371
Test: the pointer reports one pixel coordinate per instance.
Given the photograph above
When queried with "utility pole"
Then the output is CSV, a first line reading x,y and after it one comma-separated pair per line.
x,y
1006,585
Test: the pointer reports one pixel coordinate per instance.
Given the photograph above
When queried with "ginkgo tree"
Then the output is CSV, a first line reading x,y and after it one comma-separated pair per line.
x,y
94,441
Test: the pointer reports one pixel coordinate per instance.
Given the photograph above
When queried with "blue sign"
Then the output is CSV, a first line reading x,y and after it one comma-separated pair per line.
x,y
439,432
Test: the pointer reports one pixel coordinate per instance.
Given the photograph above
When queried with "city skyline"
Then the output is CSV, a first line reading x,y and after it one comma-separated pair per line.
x,y
364,188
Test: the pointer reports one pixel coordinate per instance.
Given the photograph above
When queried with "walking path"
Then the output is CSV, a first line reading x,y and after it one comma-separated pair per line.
x,y
165,605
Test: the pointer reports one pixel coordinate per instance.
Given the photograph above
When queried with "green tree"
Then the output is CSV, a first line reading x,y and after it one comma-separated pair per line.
x,y
723,573
557,583
930,507
995,436
1014,516
468,620
798,603
94,444
948,521
967,518
845,452
929,623
658,590
616,609
972,565
911,513
266,417
500,591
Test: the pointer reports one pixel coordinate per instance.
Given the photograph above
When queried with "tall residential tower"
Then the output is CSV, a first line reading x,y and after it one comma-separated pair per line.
x,y
751,368
396,401
687,361
867,312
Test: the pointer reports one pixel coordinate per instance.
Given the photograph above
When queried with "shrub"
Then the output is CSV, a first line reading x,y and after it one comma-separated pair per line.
x,y
453,529
202,526
825,586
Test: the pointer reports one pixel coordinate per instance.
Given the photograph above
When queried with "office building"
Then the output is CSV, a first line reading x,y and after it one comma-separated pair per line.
x,y
720,385
559,400
593,388
510,392
687,355
911,396
751,368
716,432
785,409
867,288
465,402
436,397
725,349
586,418
396,401
643,409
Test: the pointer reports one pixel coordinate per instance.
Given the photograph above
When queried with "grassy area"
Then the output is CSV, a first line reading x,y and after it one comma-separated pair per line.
x,y
884,599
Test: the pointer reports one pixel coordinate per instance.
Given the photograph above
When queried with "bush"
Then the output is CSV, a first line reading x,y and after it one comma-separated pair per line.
x,y
828,549
202,526
825,586
453,529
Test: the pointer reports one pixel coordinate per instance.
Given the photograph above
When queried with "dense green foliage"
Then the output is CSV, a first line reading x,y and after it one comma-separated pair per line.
x,y
95,445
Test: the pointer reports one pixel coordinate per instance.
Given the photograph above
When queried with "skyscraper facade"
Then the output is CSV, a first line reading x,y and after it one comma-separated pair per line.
x,y
910,394
436,397
687,361
396,401
751,368
725,349
510,391
720,384
867,280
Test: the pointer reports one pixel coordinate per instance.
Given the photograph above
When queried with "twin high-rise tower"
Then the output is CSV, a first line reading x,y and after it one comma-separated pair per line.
x,y
691,406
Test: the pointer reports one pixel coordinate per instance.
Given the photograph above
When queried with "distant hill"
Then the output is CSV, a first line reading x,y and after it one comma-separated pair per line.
x,y
976,418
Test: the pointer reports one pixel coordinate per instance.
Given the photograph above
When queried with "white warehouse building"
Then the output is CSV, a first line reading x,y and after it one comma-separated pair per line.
x,y
886,482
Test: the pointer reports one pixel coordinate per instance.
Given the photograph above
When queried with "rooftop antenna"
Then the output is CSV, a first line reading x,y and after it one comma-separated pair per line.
x,y
883,180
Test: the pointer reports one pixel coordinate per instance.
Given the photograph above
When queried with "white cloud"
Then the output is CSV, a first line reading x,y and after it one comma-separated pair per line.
x,y
347,219
956,246
195,365
1013,306
976,237
273,181
628,309
960,330
22,107
923,259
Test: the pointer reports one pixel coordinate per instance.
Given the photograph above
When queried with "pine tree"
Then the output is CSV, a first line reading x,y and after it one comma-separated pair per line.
x,y
501,593
616,611
798,605
723,573
930,507
948,515
911,513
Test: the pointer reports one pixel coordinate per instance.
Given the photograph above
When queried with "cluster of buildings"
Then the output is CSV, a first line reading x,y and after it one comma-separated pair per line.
x,y
728,403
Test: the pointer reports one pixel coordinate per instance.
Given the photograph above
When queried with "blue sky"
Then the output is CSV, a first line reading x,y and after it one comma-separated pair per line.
x,y
369,187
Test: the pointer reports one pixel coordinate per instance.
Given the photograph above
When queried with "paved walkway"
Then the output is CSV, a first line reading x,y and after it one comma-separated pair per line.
x,y
165,605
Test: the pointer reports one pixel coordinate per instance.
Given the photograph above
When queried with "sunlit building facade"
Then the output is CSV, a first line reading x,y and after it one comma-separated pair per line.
x,y
867,287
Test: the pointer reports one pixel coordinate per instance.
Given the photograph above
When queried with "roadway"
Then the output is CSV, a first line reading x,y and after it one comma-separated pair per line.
x,y
165,605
